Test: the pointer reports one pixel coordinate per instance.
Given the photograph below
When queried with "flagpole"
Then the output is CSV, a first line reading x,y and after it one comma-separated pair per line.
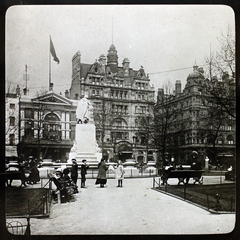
x,y
49,63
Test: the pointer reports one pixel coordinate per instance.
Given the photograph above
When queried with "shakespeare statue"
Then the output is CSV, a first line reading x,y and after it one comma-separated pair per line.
x,y
82,112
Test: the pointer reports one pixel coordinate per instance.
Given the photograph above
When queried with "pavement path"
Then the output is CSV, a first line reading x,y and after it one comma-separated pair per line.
x,y
133,209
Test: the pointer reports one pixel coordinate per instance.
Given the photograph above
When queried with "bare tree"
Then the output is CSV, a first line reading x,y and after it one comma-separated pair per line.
x,y
163,125
219,85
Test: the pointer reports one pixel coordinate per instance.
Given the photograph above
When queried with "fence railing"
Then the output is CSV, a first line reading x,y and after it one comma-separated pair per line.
x,y
217,196
93,172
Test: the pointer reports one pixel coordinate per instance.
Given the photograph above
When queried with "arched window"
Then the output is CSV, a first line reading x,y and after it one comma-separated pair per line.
x,y
119,123
51,127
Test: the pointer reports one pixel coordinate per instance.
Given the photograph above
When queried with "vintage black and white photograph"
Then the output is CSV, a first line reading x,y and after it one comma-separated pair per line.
x,y
120,119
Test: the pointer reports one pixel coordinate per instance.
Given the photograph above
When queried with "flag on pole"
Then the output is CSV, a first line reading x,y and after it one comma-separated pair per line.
x,y
52,51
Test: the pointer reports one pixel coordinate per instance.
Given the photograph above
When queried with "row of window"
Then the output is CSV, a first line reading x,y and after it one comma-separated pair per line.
x,y
119,109
140,96
118,94
141,109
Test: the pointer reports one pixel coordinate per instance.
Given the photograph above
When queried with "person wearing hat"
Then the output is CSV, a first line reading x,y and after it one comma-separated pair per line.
x,y
34,172
74,171
102,177
84,168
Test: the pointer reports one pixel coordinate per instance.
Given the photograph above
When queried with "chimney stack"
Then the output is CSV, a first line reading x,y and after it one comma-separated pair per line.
x,y
67,94
18,90
51,87
178,87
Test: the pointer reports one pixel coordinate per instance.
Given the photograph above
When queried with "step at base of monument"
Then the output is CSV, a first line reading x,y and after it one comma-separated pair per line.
x,y
91,158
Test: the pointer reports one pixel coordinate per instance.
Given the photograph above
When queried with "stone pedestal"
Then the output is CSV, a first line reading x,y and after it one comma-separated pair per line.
x,y
86,147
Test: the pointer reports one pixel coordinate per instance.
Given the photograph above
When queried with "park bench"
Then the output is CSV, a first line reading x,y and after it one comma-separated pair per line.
x,y
182,175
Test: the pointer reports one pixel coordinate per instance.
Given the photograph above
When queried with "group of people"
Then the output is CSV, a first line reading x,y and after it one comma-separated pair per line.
x,y
29,167
66,180
101,177
64,183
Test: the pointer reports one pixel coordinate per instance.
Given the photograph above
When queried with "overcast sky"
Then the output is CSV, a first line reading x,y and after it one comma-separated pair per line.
x,y
161,38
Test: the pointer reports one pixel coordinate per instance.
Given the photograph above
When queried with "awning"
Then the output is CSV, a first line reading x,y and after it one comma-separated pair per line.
x,y
11,151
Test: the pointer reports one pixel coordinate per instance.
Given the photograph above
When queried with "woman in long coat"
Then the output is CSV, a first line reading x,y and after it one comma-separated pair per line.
x,y
102,176
34,172
119,173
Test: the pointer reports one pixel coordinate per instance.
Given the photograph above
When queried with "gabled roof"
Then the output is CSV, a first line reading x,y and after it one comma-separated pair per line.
x,y
84,69
52,97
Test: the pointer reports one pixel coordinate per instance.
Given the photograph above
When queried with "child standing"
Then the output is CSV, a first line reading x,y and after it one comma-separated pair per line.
x,y
84,168
119,174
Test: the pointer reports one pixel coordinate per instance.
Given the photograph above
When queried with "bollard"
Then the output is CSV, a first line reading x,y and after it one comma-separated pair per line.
x,y
46,205
208,201
43,202
184,192
218,204
59,197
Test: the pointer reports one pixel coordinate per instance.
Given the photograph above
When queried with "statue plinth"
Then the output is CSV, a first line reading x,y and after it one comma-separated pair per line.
x,y
86,138
85,145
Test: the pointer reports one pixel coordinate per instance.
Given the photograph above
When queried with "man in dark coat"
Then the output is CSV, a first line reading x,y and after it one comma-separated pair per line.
x,y
84,168
74,171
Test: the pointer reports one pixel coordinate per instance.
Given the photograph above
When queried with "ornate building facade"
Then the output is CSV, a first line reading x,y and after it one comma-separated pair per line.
x,y
46,130
119,95
200,125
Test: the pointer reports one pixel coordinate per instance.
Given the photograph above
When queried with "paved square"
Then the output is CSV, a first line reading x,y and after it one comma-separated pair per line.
x,y
133,209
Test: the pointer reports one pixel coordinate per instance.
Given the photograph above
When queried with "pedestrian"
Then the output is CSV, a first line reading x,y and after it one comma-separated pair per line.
x,y
74,171
119,174
101,177
84,168
34,172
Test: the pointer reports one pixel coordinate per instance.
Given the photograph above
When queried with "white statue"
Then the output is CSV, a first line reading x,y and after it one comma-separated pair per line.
x,y
82,112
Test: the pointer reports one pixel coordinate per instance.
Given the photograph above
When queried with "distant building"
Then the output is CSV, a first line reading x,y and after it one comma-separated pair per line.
x,y
193,110
11,124
119,95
